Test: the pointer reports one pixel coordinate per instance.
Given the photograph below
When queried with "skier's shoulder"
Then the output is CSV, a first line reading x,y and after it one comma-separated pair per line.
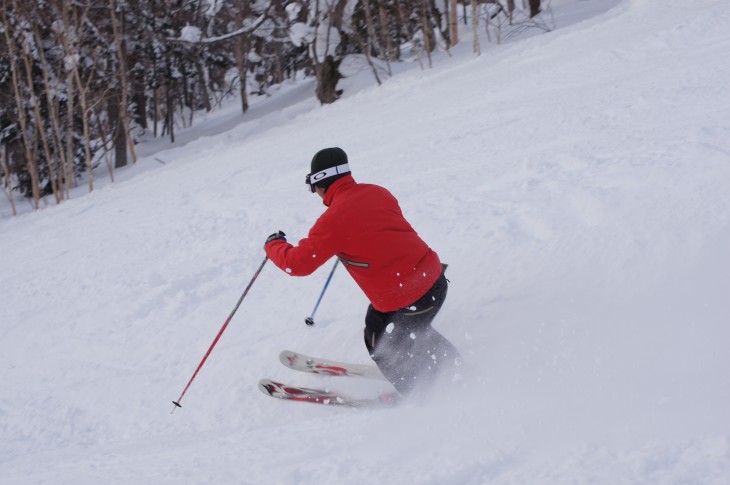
x,y
360,198
373,190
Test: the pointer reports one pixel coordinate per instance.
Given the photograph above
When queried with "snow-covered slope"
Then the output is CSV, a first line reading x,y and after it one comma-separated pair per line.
x,y
577,184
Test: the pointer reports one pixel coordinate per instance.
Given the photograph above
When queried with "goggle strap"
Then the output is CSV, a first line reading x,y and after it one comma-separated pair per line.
x,y
328,172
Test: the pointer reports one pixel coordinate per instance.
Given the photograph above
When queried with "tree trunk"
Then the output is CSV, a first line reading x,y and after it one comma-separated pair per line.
x,y
29,152
327,77
475,27
241,64
170,114
203,83
57,165
534,7
453,24
40,127
83,101
6,171
119,30
68,171
72,51
240,48
155,110
327,71
140,103
429,41
393,51
119,134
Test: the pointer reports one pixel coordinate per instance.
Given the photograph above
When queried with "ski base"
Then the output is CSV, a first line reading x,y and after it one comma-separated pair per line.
x,y
315,365
322,396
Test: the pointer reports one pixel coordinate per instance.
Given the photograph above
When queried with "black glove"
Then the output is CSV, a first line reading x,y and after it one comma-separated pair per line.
x,y
275,236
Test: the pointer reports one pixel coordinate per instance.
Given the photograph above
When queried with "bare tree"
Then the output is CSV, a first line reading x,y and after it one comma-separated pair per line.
x,y
392,53
241,45
328,24
28,145
56,161
475,26
83,82
429,40
453,24
38,120
6,173
122,138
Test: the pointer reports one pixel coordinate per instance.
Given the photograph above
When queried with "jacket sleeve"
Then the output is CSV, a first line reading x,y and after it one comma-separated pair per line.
x,y
311,252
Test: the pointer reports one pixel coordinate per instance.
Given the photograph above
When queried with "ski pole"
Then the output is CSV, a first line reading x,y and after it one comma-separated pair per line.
x,y
217,337
310,320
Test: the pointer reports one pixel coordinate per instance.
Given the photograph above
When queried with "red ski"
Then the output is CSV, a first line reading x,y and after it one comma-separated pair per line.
x,y
324,396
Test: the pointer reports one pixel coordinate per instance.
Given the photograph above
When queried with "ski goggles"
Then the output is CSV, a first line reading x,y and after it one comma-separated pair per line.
x,y
314,178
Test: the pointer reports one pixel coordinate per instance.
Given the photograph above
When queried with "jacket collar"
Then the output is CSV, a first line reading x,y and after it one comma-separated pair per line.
x,y
337,186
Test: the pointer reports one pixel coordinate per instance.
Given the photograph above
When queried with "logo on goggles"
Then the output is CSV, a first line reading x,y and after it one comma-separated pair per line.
x,y
314,178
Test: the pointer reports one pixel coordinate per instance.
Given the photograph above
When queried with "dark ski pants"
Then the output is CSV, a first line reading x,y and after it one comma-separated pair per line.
x,y
406,349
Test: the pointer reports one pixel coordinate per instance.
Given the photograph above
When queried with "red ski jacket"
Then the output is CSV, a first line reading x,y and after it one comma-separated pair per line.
x,y
364,227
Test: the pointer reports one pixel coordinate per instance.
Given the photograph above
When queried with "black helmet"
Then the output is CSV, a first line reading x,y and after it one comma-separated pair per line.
x,y
328,165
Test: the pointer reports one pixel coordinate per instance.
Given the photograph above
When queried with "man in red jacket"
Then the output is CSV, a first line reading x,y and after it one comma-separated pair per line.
x,y
401,276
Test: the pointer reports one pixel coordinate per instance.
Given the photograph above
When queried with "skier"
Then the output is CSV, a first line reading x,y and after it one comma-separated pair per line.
x,y
401,276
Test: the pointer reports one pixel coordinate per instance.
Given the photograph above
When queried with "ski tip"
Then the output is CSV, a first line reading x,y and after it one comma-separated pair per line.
x,y
271,388
264,386
288,358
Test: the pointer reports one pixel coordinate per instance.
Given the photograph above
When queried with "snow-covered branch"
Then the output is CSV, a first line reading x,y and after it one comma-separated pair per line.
x,y
192,35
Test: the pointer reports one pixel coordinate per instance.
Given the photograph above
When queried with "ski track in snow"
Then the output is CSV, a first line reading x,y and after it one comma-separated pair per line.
x,y
576,183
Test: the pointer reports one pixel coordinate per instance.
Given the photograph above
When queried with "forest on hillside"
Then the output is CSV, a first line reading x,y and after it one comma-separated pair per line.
x,y
80,80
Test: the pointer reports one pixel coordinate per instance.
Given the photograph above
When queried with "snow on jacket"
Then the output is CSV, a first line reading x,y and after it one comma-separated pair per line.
x,y
364,227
